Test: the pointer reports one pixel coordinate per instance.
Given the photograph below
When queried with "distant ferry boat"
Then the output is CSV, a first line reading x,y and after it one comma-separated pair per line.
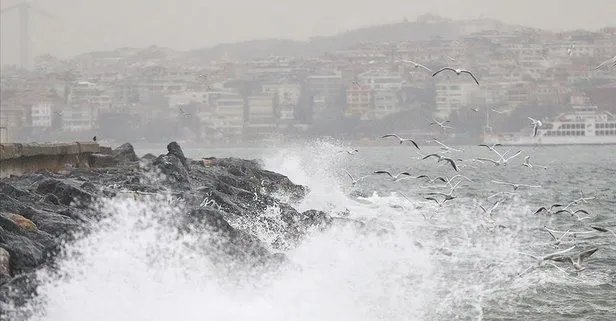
x,y
584,126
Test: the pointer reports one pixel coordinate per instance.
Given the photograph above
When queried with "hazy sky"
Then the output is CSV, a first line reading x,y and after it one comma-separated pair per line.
x,y
86,25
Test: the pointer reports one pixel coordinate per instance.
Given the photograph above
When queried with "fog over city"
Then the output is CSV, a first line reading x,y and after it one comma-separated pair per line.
x,y
75,26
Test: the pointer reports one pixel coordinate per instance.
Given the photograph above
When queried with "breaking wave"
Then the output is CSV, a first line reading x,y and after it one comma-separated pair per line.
x,y
455,266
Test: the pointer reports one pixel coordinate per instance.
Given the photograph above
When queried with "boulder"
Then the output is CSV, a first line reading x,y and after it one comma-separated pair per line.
x,y
125,153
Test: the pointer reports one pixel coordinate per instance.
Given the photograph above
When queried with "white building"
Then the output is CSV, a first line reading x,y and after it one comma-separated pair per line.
x,y
453,95
286,96
385,103
380,80
184,98
79,118
41,114
228,113
261,113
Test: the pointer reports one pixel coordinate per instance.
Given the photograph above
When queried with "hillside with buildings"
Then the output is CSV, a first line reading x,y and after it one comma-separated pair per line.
x,y
352,85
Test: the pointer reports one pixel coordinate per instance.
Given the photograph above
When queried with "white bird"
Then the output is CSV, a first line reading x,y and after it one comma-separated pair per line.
x,y
529,165
445,146
416,65
515,185
503,161
536,125
491,147
441,123
491,209
353,180
475,109
498,111
570,50
394,177
545,258
576,260
557,241
458,72
402,140
442,158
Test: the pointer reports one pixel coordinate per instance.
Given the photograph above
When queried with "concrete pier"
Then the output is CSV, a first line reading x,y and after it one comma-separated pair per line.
x,y
17,159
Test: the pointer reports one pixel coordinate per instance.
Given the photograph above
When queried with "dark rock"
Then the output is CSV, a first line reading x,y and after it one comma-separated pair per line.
x,y
173,169
51,198
125,153
174,149
66,193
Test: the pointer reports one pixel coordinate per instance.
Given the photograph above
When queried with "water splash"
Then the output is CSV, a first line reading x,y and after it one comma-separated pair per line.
x,y
136,266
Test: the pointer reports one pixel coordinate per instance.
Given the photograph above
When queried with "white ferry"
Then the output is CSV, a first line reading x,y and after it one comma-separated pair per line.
x,y
584,126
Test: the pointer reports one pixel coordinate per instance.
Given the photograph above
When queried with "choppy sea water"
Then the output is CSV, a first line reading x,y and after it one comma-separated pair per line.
x,y
439,263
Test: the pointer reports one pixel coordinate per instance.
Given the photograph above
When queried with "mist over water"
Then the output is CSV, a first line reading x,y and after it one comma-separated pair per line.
x,y
454,266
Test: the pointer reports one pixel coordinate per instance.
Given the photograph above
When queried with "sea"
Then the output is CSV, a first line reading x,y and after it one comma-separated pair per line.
x,y
449,262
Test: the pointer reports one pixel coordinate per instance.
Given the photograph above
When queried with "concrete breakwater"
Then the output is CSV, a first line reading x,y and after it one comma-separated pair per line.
x,y
17,159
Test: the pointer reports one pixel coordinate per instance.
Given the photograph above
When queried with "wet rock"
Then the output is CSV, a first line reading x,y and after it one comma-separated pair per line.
x,y
50,198
5,269
66,193
174,149
125,153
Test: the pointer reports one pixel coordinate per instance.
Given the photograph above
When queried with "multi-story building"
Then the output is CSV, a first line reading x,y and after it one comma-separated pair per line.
x,y
359,102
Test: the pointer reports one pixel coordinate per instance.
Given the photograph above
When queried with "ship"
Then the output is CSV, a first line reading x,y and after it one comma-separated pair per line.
x,y
585,125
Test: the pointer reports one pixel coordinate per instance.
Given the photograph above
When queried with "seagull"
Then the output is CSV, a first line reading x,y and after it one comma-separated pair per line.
x,y
457,71
603,230
575,213
536,125
526,162
570,50
402,140
445,146
491,209
516,186
502,160
441,158
576,260
441,124
490,147
432,180
549,211
475,109
393,177
449,196
416,65
545,258
353,180
557,241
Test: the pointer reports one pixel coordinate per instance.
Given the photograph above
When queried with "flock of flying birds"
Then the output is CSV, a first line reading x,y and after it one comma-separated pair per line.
x,y
501,159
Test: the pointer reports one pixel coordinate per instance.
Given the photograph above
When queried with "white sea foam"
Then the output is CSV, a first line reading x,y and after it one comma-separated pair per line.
x,y
135,267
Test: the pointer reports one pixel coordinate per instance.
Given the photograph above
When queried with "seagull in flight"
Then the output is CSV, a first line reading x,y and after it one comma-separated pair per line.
x,y
432,180
353,180
579,218
445,146
490,147
498,111
529,165
536,125
502,160
416,65
475,109
576,260
449,196
549,211
491,209
516,186
545,258
442,158
441,123
557,241
397,177
603,230
458,72
402,140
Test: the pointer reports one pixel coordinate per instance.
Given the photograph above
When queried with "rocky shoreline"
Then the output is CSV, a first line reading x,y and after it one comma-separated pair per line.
x,y
42,210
